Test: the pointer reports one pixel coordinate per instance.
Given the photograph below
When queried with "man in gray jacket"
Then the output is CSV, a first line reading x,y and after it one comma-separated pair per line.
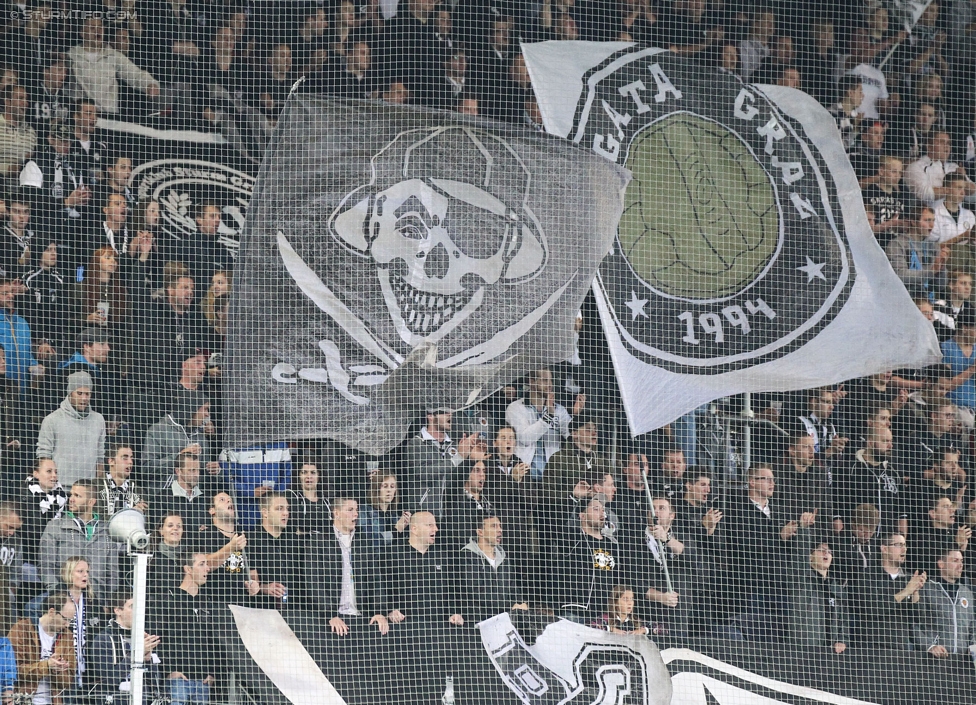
x,y
73,435
80,532
945,624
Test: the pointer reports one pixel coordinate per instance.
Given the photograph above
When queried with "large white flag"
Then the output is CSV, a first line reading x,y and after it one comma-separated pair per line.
x,y
743,260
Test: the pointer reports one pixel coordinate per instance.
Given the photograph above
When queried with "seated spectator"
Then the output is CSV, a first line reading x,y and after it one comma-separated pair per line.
x,y
73,436
620,618
539,422
489,584
118,490
917,261
586,566
185,430
110,659
44,651
888,197
658,554
97,69
885,598
945,615
382,519
820,613
229,581
925,176
166,567
80,533
310,512
183,493
275,554
188,647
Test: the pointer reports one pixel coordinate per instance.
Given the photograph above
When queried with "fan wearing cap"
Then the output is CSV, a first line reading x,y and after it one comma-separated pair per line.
x,y
62,194
74,435
959,354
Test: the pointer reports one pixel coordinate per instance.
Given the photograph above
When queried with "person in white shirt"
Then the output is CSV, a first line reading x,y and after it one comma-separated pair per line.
x,y
924,177
953,222
539,422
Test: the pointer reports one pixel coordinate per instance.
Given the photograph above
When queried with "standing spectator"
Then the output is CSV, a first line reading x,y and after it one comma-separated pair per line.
x,y
276,562
48,298
42,500
48,99
16,239
183,493
430,460
60,189
92,354
886,597
119,491
917,261
15,337
464,508
206,251
97,69
946,617
45,651
936,533
411,50
846,112
539,423
111,654
586,566
870,479
345,582
959,353
867,152
74,435
819,615
909,142
755,47
309,505
17,139
166,567
224,546
185,623
488,584
382,518
803,483
887,198
80,532
816,420
421,599
110,232
570,465
88,154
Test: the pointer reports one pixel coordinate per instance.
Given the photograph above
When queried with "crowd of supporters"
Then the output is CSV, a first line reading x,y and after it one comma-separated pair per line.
x,y
850,527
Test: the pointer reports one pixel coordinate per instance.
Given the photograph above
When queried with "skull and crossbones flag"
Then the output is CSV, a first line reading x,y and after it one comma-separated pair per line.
x,y
743,261
396,259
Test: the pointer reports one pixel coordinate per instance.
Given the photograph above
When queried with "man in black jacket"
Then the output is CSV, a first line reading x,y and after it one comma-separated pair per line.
x,y
345,584
110,659
885,599
488,582
186,623
422,602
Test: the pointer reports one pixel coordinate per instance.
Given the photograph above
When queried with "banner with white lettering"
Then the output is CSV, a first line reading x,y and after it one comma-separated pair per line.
x,y
398,259
743,260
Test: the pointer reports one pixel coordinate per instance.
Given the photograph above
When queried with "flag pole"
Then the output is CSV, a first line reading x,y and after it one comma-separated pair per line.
x,y
664,558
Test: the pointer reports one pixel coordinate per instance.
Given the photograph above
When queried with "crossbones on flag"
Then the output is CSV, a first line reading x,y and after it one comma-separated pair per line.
x,y
396,259
743,260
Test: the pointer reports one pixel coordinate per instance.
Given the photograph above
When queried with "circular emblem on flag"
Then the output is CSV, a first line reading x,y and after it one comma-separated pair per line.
x,y
730,251
181,185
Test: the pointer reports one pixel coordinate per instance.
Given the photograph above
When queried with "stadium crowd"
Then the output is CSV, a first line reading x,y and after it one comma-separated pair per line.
x,y
850,527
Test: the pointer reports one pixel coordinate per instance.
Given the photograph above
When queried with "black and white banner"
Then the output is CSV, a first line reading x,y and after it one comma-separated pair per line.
x,y
744,260
181,169
397,258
